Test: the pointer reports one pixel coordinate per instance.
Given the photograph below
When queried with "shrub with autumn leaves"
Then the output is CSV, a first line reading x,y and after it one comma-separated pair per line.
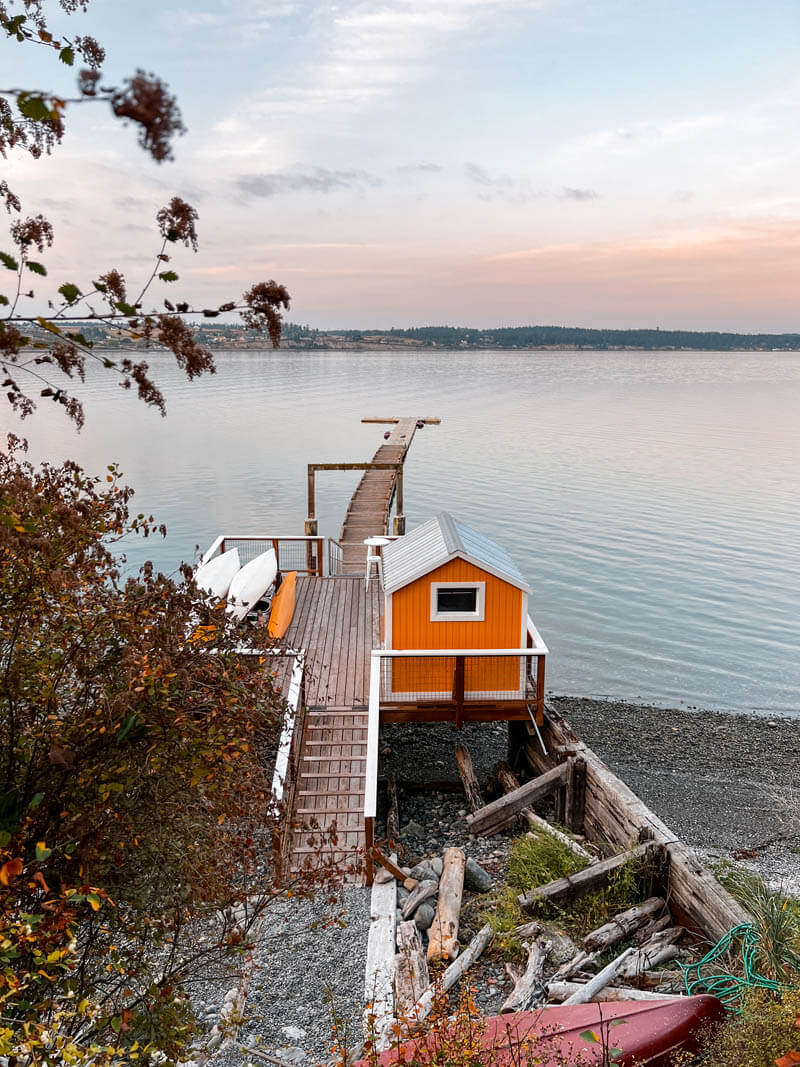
x,y
134,779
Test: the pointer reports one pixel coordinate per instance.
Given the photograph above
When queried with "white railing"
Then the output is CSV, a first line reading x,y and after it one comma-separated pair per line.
x,y
320,556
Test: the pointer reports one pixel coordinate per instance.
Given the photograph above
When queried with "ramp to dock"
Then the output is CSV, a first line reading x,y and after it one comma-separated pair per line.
x,y
337,623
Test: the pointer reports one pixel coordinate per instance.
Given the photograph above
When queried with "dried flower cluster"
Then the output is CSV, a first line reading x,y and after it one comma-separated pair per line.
x,y
32,231
176,222
180,340
145,100
263,302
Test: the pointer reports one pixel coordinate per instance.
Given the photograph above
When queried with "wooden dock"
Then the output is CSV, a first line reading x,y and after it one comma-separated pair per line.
x,y
367,514
336,624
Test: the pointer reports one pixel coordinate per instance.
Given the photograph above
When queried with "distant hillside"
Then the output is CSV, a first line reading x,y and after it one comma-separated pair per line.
x,y
222,335
544,337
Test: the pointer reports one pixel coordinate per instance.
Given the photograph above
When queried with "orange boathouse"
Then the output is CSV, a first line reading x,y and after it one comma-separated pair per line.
x,y
448,588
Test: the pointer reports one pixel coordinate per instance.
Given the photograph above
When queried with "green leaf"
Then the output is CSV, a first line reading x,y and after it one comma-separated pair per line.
x,y
108,363
3,299
80,339
42,851
126,309
5,837
70,292
37,268
47,325
168,276
8,261
590,1037
66,55
33,107
126,727
34,804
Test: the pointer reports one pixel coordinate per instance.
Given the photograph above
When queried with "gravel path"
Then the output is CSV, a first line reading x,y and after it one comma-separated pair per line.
x,y
723,783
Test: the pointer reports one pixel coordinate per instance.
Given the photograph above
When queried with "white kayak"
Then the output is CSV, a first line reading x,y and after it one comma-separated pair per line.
x,y
251,583
215,577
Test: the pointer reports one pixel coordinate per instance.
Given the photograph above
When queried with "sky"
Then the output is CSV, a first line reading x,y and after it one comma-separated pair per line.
x,y
608,163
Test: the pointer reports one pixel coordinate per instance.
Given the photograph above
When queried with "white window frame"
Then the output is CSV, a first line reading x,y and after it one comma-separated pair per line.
x,y
478,615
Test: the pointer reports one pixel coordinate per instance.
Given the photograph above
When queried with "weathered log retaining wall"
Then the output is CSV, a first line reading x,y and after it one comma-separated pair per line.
x,y
613,812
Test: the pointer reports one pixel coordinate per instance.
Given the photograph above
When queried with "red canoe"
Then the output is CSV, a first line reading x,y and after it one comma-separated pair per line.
x,y
647,1031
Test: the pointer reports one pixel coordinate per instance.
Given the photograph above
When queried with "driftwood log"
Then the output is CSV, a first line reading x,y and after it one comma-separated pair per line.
x,y
470,782
653,927
443,934
501,812
576,885
388,864
659,949
560,991
624,924
452,973
423,892
411,977
603,978
577,963
508,782
530,988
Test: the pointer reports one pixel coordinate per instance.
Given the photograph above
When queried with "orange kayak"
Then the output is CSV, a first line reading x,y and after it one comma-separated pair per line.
x,y
282,609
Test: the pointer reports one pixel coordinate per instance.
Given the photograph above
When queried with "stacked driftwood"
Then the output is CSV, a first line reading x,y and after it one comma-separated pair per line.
x,y
429,898
630,975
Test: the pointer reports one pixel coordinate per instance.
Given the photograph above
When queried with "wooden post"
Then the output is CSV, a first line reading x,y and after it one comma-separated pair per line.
x,y
311,531
576,794
399,497
470,782
399,526
458,690
517,741
559,805
310,512
320,546
393,814
369,841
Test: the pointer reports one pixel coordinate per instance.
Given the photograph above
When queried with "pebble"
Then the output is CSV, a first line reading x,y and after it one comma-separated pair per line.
x,y
475,877
412,829
423,916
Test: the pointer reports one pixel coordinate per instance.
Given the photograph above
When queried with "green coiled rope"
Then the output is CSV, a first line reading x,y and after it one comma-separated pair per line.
x,y
700,977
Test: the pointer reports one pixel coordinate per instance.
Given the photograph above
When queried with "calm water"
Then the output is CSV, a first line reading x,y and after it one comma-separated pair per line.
x,y
649,497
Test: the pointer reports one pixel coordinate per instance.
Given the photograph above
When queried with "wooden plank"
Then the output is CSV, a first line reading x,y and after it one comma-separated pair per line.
x,y
501,812
379,972
575,885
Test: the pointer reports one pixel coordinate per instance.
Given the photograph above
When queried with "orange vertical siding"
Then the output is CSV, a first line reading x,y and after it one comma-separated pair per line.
x,y
501,627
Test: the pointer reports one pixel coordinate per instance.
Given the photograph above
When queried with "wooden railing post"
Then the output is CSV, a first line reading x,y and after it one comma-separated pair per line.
x,y
458,690
369,841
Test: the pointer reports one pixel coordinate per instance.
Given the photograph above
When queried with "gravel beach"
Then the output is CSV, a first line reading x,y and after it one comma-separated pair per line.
x,y
728,785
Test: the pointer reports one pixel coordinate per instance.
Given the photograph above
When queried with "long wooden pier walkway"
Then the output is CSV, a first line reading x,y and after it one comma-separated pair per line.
x,y
367,514
336,624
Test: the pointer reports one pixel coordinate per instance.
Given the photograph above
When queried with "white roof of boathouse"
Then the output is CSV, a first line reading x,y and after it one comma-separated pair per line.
x,y
438,541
